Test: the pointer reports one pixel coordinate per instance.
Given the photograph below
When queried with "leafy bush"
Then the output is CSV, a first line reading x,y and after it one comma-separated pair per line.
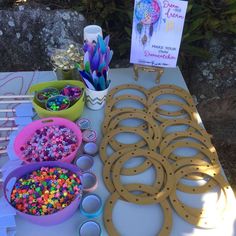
x,y
204,18
115,17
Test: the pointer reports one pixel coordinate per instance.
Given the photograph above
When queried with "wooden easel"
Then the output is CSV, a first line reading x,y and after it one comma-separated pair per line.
x,y
158,70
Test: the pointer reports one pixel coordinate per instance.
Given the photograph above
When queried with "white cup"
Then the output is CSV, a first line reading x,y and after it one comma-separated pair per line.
x,y
91,33
95,100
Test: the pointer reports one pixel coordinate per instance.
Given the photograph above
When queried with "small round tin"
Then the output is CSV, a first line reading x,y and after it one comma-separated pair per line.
x,y
57,103
91,148
90,228
91,206
89,181
72,92
43,95
89,136
83,123
84,162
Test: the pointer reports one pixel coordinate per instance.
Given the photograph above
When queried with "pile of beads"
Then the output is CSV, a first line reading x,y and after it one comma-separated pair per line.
x,y
55,100
45,94
50,143
72,92
58,103
46,191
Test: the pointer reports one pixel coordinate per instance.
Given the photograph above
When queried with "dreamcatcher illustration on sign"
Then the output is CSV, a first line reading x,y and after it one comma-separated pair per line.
x,y
147,13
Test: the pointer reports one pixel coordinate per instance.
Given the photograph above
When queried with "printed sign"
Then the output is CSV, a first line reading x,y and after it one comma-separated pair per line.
x,y
157,31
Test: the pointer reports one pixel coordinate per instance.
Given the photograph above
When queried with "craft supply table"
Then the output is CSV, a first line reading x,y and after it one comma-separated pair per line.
x,y
130,219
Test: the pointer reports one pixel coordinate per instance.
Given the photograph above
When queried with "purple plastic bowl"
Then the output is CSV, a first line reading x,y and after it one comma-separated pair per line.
x,y
46,220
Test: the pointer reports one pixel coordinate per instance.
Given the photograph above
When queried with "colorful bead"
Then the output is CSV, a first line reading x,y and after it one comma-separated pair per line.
x,y
50,143
58,103
45,94
72,92
41,192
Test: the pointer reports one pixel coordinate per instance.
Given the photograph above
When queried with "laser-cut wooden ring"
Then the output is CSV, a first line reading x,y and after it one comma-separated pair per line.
x,y
152,110
105,142
166,86
197,212
195,216
182,94
117,112
110,106
108,166
211,155
193,126
190,162
114,197
118,88
177,136
160,195
153,128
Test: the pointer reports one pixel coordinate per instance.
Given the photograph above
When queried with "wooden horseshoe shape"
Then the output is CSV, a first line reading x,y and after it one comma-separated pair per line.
x,y
117,112
108,168
105,142
193,126
179,136
110,106
152,110
115,90
191,163
114,197
166,86
196,216
182,94
160,195
211,155
153,128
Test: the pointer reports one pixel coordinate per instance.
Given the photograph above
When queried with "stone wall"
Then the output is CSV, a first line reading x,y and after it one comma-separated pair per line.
x,y
213,81
28,34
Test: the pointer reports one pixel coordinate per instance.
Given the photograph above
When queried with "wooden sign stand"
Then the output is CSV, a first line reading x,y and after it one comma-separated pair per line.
x,y
158,70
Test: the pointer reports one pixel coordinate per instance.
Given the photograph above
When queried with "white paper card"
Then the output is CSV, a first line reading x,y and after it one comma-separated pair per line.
x,y
157,32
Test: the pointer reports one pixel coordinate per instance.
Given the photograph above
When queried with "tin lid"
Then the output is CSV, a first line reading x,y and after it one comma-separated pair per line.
x,y
91,148
91,206
83,123
89,135
90,228
84,162
89,181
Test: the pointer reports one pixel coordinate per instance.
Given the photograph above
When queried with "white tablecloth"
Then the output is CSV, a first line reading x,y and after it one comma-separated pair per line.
x,y
130,219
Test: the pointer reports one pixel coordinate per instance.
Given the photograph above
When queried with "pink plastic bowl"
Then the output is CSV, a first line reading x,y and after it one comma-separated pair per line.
x,y
27,132
45,220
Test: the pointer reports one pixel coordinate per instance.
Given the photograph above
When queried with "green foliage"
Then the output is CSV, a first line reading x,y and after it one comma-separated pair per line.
x,y
204,18
114,17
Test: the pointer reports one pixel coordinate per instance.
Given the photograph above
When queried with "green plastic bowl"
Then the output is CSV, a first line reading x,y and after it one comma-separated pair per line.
x,y
72,113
